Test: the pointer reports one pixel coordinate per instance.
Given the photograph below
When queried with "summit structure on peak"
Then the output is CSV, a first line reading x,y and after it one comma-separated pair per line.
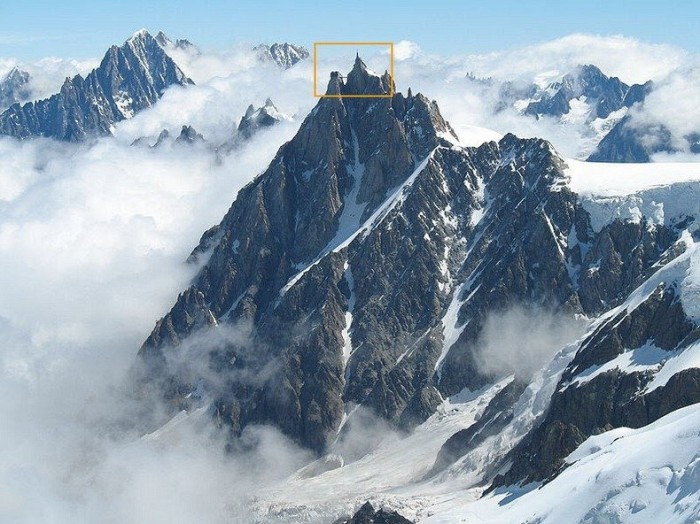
x,y
131,77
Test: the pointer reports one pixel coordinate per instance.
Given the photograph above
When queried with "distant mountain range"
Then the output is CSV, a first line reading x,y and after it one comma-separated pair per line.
x,y
284,55
130,78
133,76
587,97
586,90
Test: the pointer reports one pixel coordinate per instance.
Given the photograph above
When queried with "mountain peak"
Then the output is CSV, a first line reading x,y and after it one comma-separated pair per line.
x,y
359,64
129,78
284,54
265,116
166,42
14,87
140,35
360,81
16,72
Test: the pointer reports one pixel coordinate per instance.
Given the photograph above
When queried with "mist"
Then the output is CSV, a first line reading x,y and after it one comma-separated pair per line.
x,y
93,243
522,340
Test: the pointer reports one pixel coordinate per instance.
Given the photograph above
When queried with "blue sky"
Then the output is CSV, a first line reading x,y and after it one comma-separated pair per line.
x,y
32,29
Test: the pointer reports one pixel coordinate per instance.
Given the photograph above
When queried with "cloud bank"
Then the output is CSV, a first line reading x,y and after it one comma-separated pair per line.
x,y
93,239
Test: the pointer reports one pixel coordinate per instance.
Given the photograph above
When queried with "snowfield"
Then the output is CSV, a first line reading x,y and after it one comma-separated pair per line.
x,y
651,474
617,180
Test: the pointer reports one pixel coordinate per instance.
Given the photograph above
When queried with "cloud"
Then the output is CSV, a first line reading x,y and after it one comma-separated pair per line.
x,y
405,49
522,339
673,103
93,239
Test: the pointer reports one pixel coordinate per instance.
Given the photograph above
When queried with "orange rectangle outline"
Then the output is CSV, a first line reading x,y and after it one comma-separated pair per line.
x,y
391,69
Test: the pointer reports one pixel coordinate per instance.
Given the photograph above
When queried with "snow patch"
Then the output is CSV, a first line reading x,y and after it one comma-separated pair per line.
x,y
579,111
347,341
690,288
381,212
645,358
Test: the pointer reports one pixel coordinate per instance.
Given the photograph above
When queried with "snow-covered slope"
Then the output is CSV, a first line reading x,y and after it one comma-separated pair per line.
x,y
649,474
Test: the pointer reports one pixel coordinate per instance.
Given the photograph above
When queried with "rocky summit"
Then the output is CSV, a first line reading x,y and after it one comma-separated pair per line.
x,y
254,119
14,88
588,83
362,268
130,78
367,515
285,55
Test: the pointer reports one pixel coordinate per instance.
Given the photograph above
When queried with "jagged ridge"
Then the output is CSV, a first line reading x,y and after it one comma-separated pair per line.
x,y
129,78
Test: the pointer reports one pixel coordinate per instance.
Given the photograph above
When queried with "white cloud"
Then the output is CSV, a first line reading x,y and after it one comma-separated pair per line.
x,y
522,339
674,103
405,49
92,243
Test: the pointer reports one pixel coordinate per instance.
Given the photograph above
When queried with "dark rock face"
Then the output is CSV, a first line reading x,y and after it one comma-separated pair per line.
x,y
339,265
367,515
14,88
517,252
284,55
130,78
608,94
612,398
616,260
